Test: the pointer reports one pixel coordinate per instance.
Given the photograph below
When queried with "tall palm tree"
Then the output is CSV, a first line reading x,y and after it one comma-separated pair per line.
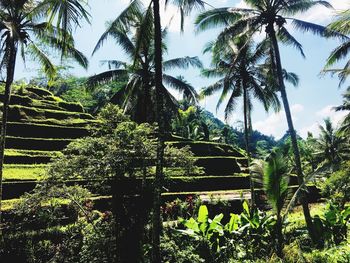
x,y
137,96
241,76
21,30
271,17
128,17
185,7
342,25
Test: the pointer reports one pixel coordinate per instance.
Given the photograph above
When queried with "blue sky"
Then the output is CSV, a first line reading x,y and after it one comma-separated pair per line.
x,y
310,102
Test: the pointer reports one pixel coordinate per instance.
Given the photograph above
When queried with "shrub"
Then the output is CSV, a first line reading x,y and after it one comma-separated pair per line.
x,y
337,186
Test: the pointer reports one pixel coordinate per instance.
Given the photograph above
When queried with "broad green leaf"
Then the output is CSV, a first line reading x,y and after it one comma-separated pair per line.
x,y
203,214
192,224
246,208
232,225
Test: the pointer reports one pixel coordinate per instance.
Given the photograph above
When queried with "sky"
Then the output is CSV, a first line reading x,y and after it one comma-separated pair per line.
x,y
311,102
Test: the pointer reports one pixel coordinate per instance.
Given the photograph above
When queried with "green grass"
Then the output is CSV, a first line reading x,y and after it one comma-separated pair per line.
x,y
17,152
65,122
7,205
23,172
19,110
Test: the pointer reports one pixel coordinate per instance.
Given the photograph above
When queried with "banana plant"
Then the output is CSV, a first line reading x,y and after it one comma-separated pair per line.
x,y
204,229
332,225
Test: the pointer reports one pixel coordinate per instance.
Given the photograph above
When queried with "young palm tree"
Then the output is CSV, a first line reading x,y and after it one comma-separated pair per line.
x,y
21,30
275,179
270,16
137,96
241,76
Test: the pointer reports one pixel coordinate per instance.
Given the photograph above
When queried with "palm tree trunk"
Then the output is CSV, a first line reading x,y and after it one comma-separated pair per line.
x,y
158,183
10,71
279,234
246,137
304,203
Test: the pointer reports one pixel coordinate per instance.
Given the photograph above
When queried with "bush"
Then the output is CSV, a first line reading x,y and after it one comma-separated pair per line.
x,y
99,242
337,186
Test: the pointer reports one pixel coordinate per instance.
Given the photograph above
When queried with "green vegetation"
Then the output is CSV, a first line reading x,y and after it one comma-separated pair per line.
x,y
83,180
22,172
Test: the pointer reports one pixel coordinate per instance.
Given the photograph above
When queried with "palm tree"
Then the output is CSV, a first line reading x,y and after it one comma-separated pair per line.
x,y
275,179
21,30
127,18
342,25
271,17
241,76
137,96
185,7
332,147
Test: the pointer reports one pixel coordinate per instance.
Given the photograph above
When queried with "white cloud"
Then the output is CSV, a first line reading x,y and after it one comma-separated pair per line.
x,y
276,123
323,15
328,111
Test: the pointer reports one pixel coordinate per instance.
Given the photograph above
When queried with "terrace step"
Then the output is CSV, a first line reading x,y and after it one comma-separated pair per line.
x,y
201,148
207,183
29,130
18,112
220,165
43,144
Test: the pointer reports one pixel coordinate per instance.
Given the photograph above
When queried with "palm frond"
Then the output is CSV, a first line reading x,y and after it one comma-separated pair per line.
x,y
39,55
291,77
107,77
296,7
122,23
182,63
113,64
286,38
182,86
339,53
316,29
214,18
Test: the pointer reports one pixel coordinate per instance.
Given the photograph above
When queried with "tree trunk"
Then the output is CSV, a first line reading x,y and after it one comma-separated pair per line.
x,y
246,139
158,182
292,133
10,71
279,234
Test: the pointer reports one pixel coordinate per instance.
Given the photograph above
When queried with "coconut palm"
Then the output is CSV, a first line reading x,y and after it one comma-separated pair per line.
x,y
240,76
273,174
23,31
138,97
185,7
127,18
271,17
